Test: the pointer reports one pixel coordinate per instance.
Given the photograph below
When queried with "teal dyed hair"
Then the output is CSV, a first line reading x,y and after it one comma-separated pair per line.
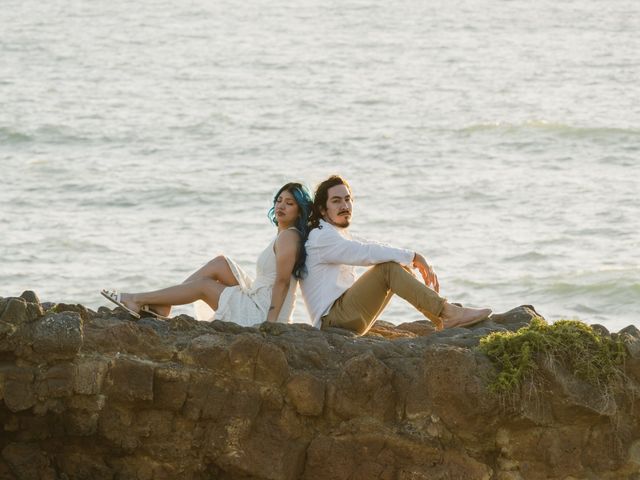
x,y
305,204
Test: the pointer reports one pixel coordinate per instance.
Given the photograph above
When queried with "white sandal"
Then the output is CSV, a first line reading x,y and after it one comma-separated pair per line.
x,y
116,297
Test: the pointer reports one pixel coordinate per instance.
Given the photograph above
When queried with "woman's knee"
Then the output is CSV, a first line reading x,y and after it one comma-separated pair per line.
x,y
215,265
215,261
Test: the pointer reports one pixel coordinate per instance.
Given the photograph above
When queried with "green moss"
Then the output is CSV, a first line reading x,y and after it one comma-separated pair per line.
x,y
52,309
592,357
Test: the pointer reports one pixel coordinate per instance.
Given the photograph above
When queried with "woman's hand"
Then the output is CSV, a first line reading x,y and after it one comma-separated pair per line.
x,y
428,275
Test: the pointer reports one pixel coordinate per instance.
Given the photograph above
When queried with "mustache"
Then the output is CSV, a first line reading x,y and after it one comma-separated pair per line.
x,y
344,212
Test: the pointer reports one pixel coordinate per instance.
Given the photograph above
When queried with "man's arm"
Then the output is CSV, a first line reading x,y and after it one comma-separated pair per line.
x,y
334,248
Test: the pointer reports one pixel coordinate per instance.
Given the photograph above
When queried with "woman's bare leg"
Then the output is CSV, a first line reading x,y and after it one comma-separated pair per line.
x,y
205,289
216,269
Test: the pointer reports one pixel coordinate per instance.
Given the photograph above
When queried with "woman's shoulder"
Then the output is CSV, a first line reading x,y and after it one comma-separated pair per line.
x,y
291,232
289,236
287,243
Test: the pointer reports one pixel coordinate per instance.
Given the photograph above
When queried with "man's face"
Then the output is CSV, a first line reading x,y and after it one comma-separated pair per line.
x,y
339,206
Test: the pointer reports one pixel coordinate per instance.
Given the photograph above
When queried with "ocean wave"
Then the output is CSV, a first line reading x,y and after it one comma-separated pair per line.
x,y
30,250
525,257
158,195
57,134
60,135
617,289
618,283
10,136
600,293
554,128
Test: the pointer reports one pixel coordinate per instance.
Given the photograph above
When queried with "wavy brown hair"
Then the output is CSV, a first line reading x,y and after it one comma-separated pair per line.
x,y
321,196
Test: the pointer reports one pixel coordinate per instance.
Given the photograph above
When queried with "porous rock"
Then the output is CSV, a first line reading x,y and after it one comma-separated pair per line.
x,y
58,336
86,395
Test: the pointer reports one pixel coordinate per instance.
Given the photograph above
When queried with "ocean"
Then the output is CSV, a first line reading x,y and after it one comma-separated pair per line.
x,y
501,139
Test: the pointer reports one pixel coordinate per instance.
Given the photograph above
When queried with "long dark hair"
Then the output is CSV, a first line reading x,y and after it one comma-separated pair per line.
x,y
303,199
321,196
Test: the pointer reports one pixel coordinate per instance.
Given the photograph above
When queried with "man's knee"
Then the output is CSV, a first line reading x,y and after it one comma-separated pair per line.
x,y
387,268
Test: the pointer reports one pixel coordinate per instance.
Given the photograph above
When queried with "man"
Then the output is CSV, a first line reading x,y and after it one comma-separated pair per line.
x,y
333,295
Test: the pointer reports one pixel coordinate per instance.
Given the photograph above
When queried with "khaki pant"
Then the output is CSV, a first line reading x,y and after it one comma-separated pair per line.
x,y
359,307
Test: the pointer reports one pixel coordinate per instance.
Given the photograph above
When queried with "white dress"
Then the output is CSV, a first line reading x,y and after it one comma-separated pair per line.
x,y
248,302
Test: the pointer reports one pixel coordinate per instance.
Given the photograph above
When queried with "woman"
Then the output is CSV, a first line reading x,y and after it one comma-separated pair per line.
x,y
227,289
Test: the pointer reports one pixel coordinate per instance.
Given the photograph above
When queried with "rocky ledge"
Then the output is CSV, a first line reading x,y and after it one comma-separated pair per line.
x,y
94,395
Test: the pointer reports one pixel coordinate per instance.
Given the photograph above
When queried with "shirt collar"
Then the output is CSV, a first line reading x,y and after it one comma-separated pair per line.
x,y
342,231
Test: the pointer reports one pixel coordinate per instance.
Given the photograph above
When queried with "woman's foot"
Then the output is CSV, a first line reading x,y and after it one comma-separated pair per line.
x,y
162,310
121,300
453,316
128,301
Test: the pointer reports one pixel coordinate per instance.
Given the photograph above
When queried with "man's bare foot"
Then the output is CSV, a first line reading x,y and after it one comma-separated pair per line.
x,y
453,316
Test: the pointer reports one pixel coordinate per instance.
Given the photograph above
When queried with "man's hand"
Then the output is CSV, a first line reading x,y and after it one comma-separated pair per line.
x,y
428,275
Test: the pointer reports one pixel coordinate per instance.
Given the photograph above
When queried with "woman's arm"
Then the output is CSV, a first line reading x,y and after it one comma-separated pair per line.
x,y
286,247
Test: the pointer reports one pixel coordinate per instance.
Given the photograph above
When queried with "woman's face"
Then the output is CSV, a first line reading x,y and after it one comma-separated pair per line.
x,y
286,209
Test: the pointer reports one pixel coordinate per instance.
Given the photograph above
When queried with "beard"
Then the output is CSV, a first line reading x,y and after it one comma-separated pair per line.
x,y
343,221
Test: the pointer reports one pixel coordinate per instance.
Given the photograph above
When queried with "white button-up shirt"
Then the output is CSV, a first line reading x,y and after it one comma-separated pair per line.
x,y
332,255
